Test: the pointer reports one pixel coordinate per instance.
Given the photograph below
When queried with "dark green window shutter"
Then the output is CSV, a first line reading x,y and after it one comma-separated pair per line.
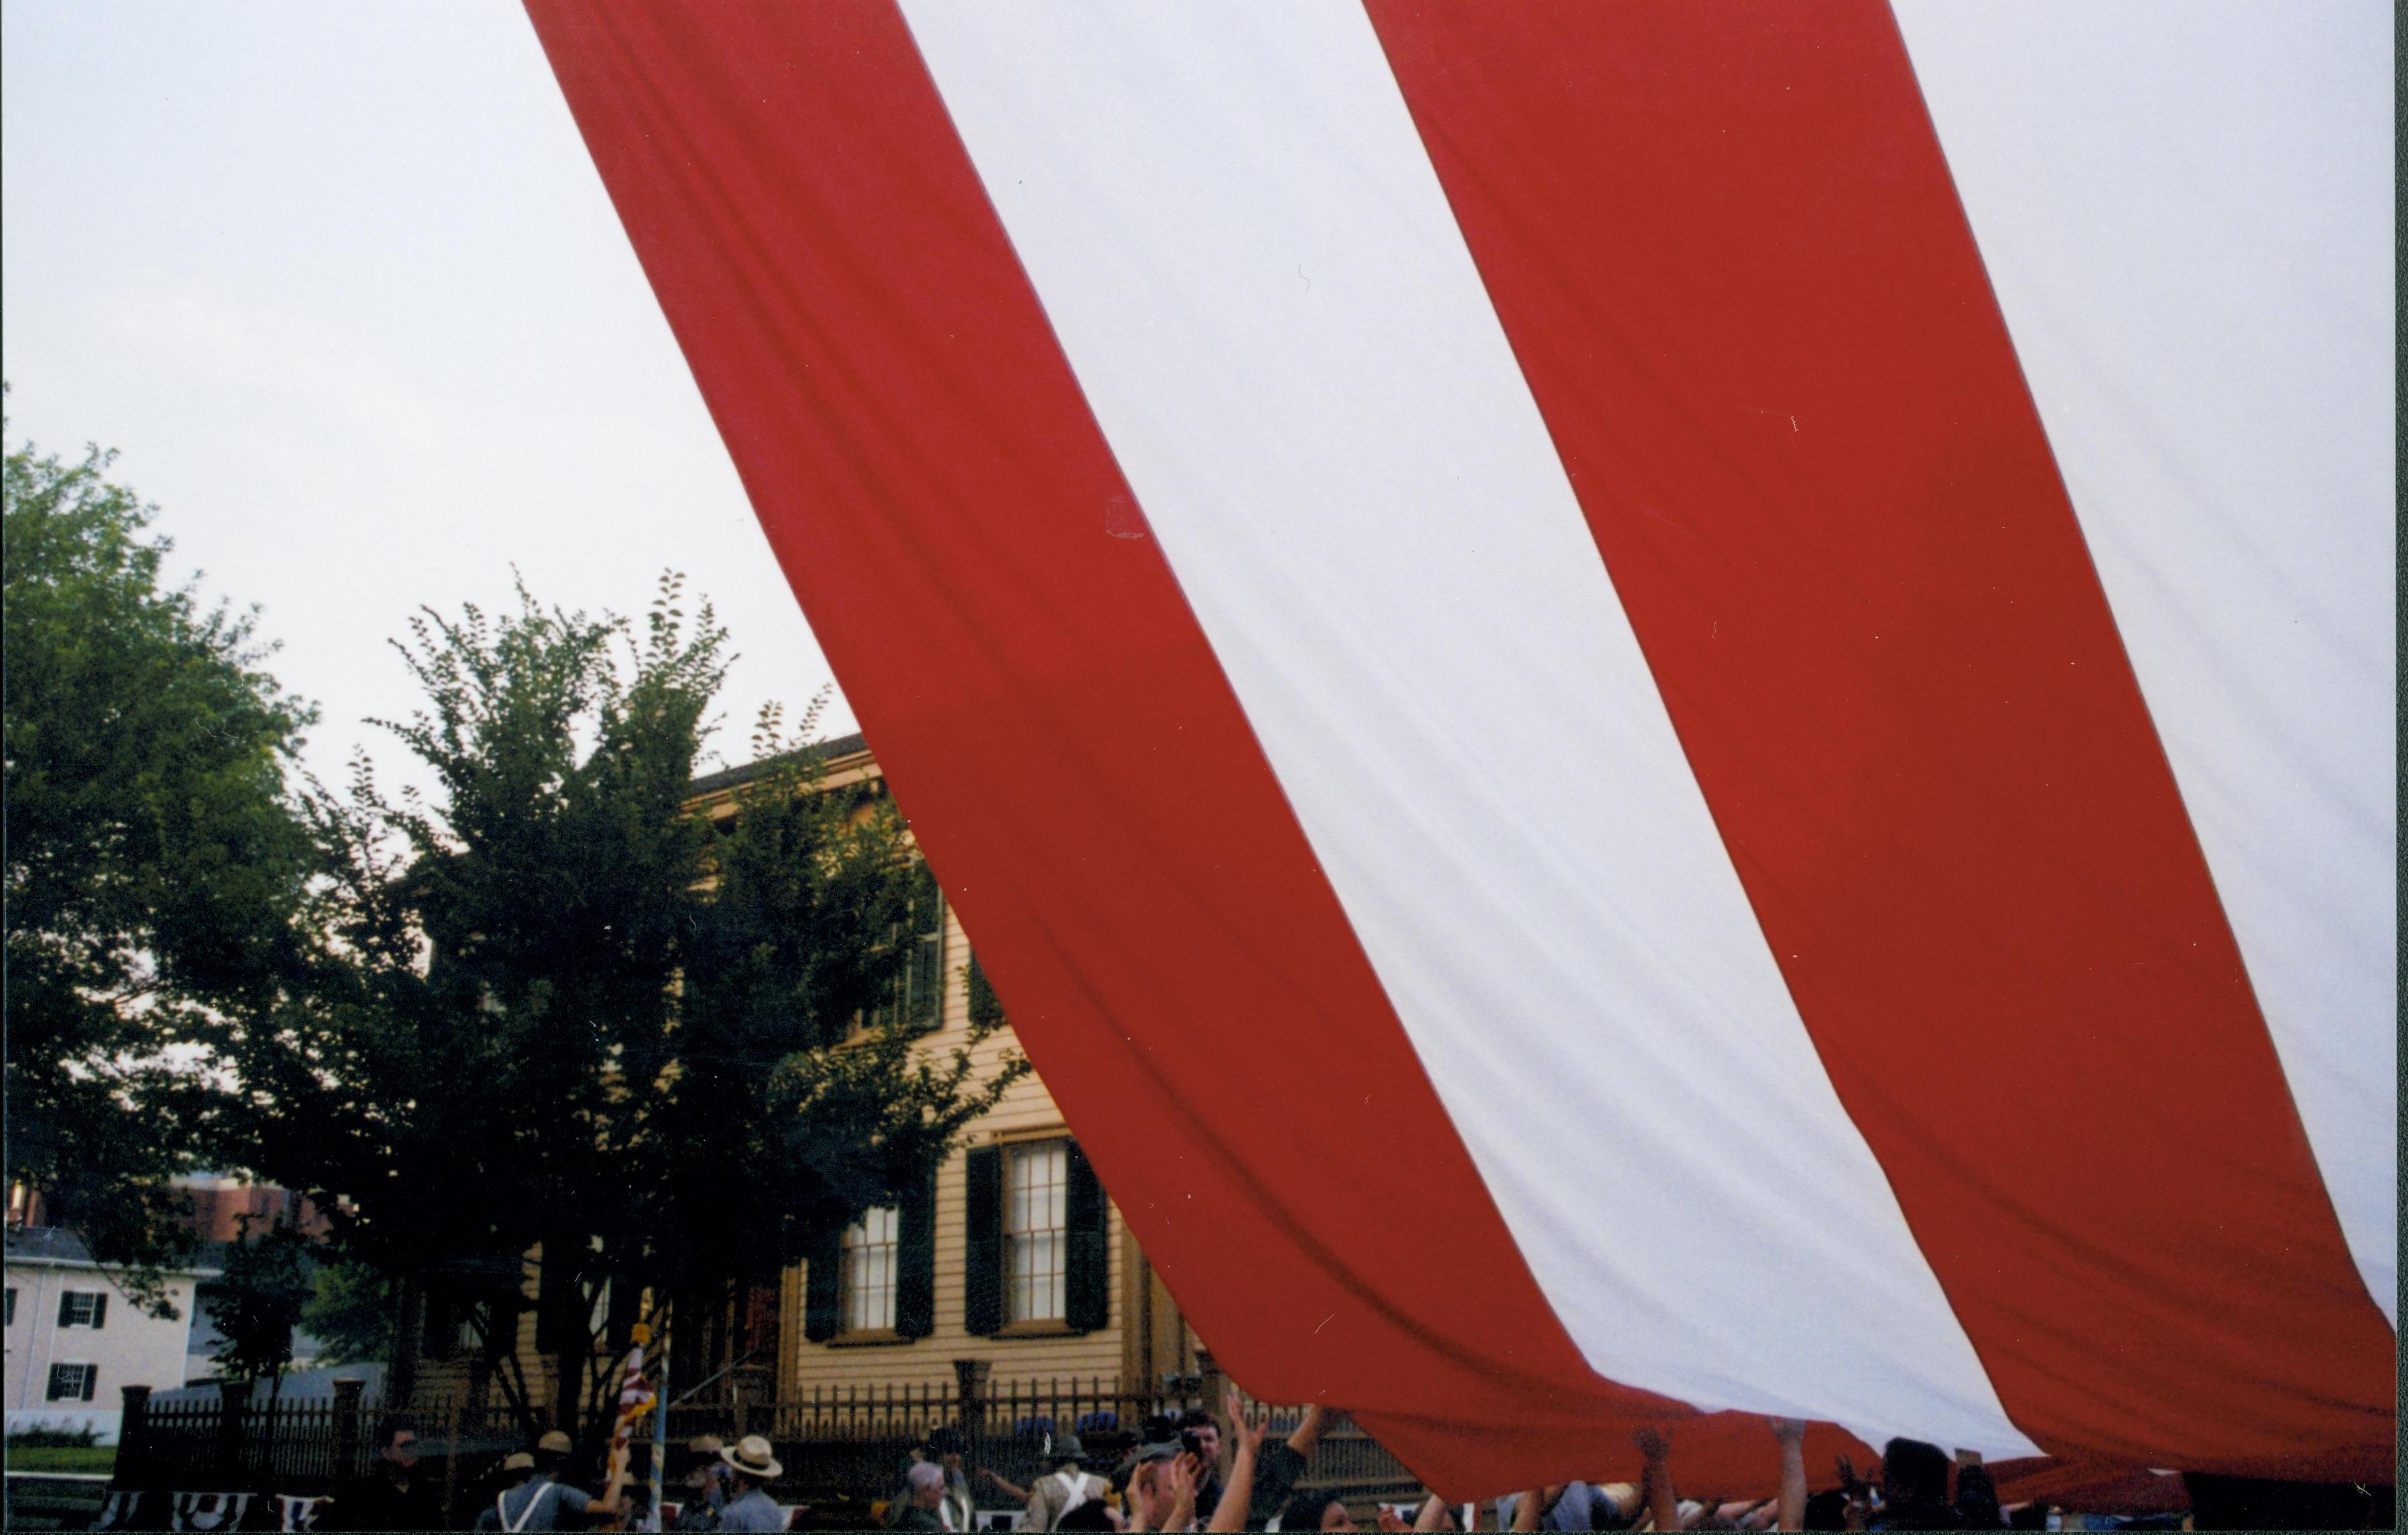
x,y
915,997
1089,1280
100,1310
925,981
982,1244
915,1264
821,1316
986,1009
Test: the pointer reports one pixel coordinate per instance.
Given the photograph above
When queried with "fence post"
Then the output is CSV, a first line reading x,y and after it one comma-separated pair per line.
x,y
1209,1379
234,1401
347,1428
969,1388
133,1436
452,1459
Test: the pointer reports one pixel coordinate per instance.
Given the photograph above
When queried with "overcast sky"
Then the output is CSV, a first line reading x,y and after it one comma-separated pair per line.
x,y
342,286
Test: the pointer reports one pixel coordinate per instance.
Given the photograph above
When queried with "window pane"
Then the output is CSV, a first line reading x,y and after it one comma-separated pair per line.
x,y
867,1277
1035,1237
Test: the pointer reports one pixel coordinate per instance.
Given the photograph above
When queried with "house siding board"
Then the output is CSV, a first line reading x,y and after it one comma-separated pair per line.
x,y
1026,1110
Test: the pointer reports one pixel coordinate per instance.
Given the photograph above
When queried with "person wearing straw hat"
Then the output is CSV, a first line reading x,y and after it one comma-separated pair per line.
x,y
543,1500
753,1467
1068,1487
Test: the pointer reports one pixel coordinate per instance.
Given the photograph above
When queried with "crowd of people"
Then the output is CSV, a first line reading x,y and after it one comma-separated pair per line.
x,y
1190,1472
1175,1481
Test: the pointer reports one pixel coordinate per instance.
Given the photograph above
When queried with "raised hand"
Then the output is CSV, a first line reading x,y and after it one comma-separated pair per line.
x,y
1790,1510
1249,1436
1180,1493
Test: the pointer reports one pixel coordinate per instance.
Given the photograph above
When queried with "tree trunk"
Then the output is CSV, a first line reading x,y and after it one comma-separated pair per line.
x,y
566,1321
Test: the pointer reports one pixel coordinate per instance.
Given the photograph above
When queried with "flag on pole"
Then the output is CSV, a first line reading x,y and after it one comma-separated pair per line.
x,y
1647,710
636,1396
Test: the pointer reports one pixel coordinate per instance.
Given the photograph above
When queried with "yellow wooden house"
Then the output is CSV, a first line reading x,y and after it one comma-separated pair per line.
x,y
1014,1267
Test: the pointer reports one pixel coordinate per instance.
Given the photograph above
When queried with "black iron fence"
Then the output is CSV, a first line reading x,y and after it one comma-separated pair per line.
x,y
237,1443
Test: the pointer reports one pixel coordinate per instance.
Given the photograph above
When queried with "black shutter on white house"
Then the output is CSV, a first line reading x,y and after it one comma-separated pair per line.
x,y
821,1271
983,1246
915,1262
1089,1258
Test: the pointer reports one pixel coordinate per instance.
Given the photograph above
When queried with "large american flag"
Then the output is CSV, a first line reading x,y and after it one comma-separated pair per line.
x,y
1652,711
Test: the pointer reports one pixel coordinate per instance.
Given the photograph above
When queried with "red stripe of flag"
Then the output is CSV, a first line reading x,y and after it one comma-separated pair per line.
x,y
1082,778
1725,248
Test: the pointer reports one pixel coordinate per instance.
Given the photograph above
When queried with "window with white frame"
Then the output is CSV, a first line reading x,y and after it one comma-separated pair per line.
x,y
73,1383
867,1273
1036,1231
83,1308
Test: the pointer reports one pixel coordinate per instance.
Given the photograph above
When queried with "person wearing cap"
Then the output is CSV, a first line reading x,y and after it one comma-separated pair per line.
x,y
753,1467
516,1468
1067,1487
542,1501
1161,1494
705,1483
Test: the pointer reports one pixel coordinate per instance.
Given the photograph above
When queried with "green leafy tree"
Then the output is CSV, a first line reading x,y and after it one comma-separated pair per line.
x,y
349,1311
153,859
263,1289
561,1014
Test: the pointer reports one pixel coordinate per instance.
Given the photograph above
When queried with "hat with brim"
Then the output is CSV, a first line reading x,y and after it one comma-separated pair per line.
x,y
751,1456
555,1443
519,1461
705,1444
1066,1447
1160,1449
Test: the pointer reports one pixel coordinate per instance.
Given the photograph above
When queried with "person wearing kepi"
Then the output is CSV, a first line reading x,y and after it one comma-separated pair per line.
x,y
1068,1486
543,1500
753,1467
396,1495
704,1484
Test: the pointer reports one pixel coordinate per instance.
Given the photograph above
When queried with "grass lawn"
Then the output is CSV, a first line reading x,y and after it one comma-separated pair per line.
x,y
96,1457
